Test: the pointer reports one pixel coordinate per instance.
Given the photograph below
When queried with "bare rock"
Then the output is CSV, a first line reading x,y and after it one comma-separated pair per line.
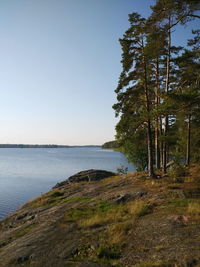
x,y
88,175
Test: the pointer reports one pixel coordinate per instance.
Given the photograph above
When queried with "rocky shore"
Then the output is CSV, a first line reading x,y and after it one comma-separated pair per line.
x,y
98,218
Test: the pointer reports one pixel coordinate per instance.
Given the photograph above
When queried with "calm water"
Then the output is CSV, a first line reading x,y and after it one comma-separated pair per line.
x,y
26,173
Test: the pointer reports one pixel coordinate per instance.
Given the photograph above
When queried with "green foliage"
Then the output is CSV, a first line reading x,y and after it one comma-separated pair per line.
x,y
178,172
158,88
122,170
135,149
110,145
107,252
56,194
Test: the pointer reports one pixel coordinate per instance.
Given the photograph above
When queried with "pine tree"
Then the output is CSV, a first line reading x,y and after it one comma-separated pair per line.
x,y
134,91
166,15
187,96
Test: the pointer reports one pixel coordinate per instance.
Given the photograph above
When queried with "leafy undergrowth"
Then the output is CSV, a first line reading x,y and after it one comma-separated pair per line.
x,y
128,220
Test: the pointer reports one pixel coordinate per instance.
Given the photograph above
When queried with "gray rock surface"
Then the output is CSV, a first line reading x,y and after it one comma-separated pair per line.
x,y
88,175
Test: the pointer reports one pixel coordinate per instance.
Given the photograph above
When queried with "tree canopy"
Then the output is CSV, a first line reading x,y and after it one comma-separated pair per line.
x,y
158,94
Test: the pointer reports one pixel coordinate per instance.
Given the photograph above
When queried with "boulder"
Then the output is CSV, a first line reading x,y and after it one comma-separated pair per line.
x,y
88,175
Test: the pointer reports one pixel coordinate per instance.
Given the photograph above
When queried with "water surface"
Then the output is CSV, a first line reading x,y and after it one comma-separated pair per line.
x,y
28,172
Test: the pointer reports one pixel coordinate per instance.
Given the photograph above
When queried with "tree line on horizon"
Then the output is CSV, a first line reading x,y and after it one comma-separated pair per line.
x,y
158,93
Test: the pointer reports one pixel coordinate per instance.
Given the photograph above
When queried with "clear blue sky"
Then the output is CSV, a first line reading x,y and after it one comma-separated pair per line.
x,y
59,66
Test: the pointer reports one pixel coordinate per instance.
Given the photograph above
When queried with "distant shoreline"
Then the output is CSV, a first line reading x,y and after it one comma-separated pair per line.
x,y
42,146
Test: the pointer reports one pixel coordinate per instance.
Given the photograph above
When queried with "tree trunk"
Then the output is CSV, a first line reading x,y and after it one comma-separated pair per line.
x,y
157,145
165,144
149,133
161,142
150,150
188,140
166,91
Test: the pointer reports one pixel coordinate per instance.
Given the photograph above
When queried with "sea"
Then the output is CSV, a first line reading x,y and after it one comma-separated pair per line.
x,y
25,173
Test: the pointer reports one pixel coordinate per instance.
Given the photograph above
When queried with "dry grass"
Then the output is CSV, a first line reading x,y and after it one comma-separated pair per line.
x,y
138,208
119,213
113,214
194,208
118,232
96,220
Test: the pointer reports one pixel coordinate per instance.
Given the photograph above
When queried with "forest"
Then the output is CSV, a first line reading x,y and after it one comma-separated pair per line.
x,y
158,94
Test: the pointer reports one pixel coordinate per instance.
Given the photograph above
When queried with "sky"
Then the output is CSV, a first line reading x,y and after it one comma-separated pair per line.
x,y
59,67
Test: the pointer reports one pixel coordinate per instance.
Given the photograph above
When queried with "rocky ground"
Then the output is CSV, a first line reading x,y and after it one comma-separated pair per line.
x,y
124,220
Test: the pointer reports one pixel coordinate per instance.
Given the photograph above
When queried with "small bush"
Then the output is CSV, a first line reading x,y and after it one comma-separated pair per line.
x,y
108,253
178,171
122,170
56,194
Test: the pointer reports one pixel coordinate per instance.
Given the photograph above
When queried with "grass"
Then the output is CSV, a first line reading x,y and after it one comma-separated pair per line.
x,y
23,231
179,202
85,212
139,208
106,213
117,233
76,199
94,221
55,197
154,264
194,208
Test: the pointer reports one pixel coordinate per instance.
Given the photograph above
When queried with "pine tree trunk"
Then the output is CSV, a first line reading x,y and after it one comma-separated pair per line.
x,y
188,140
161,142
157,145
165,145
149,133
166,91
150,150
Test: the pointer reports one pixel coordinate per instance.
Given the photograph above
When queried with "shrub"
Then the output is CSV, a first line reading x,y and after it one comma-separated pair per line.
x,y
56,194
107,252
178,171
122,170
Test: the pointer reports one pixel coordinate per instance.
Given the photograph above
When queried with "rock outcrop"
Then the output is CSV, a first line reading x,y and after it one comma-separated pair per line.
x,y
127,220
88,175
